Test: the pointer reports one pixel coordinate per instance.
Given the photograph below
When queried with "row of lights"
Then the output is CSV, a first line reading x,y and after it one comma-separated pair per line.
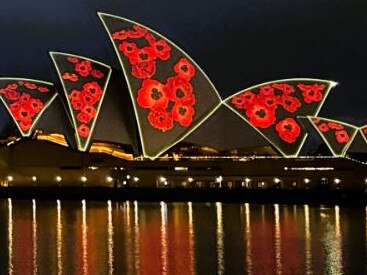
x,y
247,180
59,178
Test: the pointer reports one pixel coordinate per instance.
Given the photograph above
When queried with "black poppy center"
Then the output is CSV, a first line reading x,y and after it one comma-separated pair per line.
x,y
24,113
184,68
278,92
143,56
180,93
248,96
261,113
129,48
156,94
288,102
159,47
288,127
311,93
161,118
182,110
270,102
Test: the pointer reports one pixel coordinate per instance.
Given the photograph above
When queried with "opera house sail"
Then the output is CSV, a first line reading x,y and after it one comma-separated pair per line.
x,y
337,135
171,95
84,82
272,109
26,100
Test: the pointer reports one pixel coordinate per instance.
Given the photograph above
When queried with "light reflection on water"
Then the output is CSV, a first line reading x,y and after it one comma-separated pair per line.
x,y
90,237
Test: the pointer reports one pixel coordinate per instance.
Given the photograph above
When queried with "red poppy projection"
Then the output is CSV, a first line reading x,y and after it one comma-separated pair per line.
x,y
84,82
363,131
337,135
172,96
272,109
26,100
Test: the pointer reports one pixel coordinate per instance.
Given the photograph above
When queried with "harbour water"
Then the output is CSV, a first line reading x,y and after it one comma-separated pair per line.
x,y
131,237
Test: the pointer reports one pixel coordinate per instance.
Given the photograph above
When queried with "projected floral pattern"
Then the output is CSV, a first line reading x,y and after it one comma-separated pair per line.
x,y
276,105
25,100
336,134
83,81
273,108
169,101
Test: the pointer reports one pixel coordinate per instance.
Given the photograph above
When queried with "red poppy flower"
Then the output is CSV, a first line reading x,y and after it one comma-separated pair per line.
x,y
90,110
93,89
14,107
24,98
239,101
11,94
288,130
71,77
364,130
323,127
269,102
143,70
74,95
120,35
25,124
184,69
83,130
149,37
128,48
260,116
335,126
43,89
249,98
266,90
152,95
72,59
160,119
30,86
284,88
342,136
311,93
22,114
290,103
161,49
35,105
78,104
83,68
180,90
83,117
88,99
182,114
145,54
97,74
11,86
137,32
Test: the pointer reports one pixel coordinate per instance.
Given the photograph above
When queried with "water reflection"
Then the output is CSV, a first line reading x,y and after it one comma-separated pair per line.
x,y
220,238
277,241
34,236
164,242
110,243
248,239
308,251
10,237
85,238
59,238
66,237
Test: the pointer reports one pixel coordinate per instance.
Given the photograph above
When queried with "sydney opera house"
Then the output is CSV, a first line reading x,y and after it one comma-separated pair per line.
x,y
159,121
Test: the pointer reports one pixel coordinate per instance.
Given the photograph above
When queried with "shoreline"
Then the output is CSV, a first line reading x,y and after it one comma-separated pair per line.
x,y
346,197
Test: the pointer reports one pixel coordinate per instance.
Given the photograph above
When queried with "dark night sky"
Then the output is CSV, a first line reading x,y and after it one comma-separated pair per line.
x,y
238,43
